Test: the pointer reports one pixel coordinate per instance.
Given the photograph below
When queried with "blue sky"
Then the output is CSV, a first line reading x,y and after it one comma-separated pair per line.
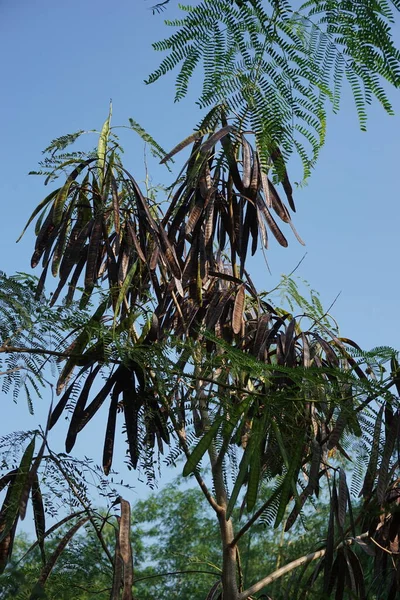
x,y
63,61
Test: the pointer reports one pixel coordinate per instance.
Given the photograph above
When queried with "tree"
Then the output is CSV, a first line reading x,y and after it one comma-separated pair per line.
x,y
198,360
176,547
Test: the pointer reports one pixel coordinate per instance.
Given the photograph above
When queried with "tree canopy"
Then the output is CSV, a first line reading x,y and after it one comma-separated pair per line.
x,y
170,333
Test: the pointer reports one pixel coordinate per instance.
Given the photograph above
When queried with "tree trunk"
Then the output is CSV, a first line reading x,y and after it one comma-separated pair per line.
x,y
230,590
229,563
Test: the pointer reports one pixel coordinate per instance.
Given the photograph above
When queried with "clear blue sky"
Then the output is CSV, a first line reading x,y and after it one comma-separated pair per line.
x,y
61,64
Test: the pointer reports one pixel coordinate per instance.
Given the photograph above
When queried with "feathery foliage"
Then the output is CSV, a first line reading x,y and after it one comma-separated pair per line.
x,y
187,351
274,67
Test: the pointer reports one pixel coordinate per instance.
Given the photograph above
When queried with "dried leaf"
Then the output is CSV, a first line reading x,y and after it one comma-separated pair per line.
x,y
12,506
6,546
214,138
194,215
39,515
342,499
132,404
43,238
62,195
358,575
367,548
329,547
47,569
191,138
238,310
98,400
125,549
37,210
246,175
383,478
75,425
212,594
279,163
110,433
93,255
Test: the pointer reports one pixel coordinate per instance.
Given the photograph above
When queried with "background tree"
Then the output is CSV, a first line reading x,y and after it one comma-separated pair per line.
x,y
176,553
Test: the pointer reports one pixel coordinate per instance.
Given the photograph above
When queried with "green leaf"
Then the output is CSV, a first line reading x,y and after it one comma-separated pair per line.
x,y
254,480
293,466
102,145
156,149
124,289
370,475
241,476
201,448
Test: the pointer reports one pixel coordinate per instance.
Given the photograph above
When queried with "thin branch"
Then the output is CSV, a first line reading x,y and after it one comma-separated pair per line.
x,y
280,572
254,518
326,313
219,486
176,573
50,531
14,370
78,496
290,274
219,383
22,350
293,565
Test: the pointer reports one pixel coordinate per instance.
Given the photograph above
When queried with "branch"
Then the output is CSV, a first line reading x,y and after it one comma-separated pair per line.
x,y
14,370
293,565
17,349
176,573
219,486
87,509
50,531
254,518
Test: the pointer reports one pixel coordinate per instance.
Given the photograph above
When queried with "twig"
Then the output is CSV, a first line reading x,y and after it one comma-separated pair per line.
x,y
12,370
50,531
21,350
329,308
290,274
55,459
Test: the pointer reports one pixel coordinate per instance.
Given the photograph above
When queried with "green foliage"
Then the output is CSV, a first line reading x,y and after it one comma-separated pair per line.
x,y
60,489
177,553
27,323
155,148
197,360
293,300
81,571
274,67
